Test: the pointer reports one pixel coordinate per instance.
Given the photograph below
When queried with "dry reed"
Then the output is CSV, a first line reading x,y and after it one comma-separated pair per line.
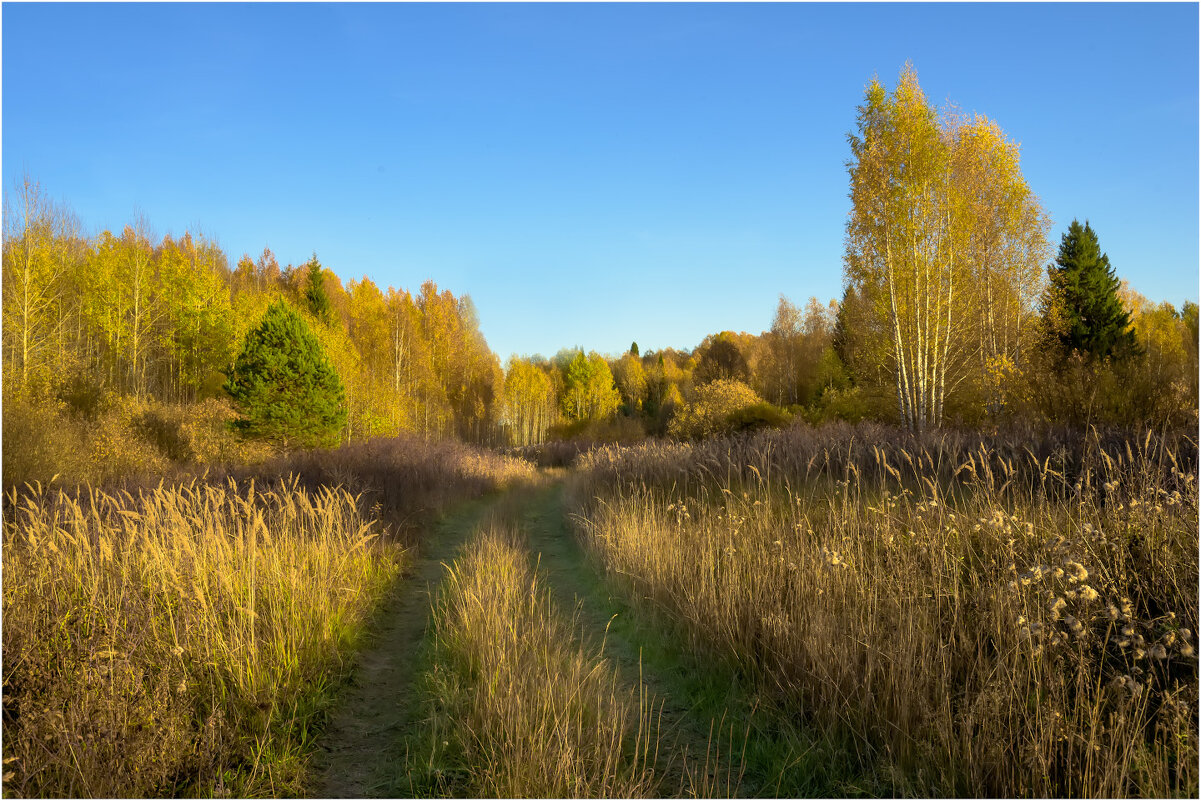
x,y
966,617
179,640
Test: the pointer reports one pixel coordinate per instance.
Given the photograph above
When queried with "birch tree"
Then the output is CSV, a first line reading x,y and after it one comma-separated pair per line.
x,y
941,239
1003,242
529,401
38,255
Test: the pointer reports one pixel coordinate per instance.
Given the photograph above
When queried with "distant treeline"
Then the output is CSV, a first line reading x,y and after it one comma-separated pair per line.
x,y
956,311
91,320
86,319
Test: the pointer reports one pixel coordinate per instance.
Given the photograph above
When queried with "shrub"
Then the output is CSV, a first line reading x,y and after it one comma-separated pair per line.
x,y
712,409
40,441
841,404
753,418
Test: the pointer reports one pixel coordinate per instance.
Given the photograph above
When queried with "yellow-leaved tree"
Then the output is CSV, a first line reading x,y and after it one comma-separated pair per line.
x,y
530,407
945,244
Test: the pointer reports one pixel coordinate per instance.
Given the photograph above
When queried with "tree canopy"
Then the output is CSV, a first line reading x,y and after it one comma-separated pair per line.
x,y
944,249
315,294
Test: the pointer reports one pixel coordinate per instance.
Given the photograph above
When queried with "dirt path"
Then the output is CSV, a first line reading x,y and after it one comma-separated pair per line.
x,y
360,754
362,751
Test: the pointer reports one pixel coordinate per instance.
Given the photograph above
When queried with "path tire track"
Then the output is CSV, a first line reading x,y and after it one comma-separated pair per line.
x,y
360,754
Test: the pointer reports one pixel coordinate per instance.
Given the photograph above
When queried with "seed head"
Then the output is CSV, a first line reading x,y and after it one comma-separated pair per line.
x,y
1077,570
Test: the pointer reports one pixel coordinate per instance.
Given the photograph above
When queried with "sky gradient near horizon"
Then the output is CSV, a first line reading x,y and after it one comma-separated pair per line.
x,y
589,174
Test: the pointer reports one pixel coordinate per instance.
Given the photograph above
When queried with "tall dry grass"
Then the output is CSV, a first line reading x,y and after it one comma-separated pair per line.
x,y
519,708
964,617
405,478
186,639
179,640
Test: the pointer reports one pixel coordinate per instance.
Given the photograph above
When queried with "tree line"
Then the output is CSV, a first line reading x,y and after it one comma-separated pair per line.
x,y
955,310
88,318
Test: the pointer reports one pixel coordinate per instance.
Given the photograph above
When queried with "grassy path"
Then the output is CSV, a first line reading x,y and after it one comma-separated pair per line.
x,y
360,753
705,743
760,754
710,744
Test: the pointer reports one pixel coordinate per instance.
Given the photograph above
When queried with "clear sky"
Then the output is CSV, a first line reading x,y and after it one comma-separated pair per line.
x,y
589,174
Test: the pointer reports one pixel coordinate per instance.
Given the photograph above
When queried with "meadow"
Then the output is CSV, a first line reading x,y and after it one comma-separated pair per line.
x,y
955,616
875,614
189,639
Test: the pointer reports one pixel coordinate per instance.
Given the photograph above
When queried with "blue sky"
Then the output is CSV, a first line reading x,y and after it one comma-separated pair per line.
x,y
589,174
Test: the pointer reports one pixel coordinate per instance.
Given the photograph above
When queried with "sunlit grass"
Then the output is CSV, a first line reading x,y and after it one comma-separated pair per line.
x,y
173,641
519,707
187,639
964,618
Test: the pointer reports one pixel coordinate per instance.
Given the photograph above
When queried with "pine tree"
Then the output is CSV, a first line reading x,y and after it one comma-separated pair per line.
x,y
1082,306
286,388
314,293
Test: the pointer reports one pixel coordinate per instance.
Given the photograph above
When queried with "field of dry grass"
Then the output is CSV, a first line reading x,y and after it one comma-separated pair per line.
x,y
960,616
963,615
188,639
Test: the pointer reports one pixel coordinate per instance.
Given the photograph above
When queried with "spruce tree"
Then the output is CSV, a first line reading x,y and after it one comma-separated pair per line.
x,y
1083,307
314,293
284,385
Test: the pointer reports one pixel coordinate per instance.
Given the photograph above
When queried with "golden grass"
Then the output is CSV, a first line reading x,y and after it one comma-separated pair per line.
x,y
405,478
178,640
187,639
967,617
519,707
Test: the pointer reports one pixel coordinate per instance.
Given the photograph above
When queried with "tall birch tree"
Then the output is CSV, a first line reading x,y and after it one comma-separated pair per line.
x,y
942,241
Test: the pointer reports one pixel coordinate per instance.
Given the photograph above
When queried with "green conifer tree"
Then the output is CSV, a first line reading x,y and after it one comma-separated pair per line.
x,y
284,385
314,293
1082,306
